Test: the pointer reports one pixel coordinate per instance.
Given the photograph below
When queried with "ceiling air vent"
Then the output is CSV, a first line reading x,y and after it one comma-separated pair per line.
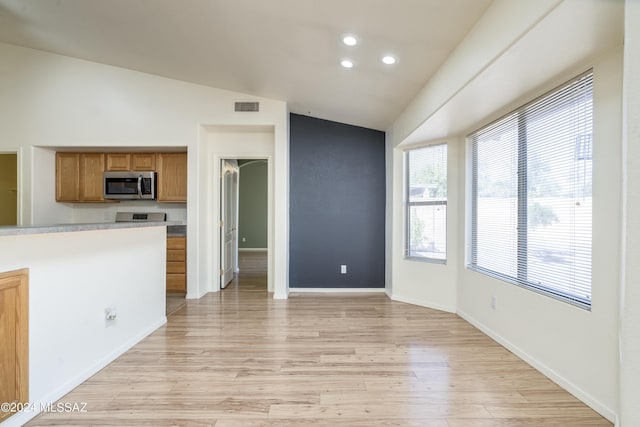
x,y
246,107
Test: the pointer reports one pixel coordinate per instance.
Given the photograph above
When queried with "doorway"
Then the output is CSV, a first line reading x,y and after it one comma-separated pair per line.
x,y
238,142
8,189
244,219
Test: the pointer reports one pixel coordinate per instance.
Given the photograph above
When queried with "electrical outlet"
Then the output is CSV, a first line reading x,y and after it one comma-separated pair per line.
x,y
244,239
343,269
110,315
493,302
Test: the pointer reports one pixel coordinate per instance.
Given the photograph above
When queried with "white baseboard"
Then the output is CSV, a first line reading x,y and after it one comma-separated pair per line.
x,y
281,295
426,304
554,376
196,295
336,290
252,249
21,418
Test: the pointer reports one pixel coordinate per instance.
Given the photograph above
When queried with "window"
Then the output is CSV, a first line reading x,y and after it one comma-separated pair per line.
x,y
427,203
531,194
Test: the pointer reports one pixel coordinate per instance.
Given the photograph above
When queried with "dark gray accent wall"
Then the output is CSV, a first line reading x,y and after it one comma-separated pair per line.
x,y
337,205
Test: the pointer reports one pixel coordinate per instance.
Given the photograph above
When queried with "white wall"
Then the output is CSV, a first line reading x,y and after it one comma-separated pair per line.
x,y
490,74
42,201
389,217
233,142
575,347
49,100
420,282
504,22
630,293
72,279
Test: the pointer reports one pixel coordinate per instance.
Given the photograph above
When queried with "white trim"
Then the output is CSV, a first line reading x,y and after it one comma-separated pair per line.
x,y
196,295
336,290
253,249
281,295
214,240
554,376
426,304
22,417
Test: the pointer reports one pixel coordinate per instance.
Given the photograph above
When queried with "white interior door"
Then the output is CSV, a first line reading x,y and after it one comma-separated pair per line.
x,y
228,220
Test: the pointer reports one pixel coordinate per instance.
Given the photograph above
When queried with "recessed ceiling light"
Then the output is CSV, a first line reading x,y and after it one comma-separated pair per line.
x,y
350,40
389,60
346,63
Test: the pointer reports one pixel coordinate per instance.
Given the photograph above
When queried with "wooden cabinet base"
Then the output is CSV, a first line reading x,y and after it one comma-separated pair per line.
x,y
176,264
14,331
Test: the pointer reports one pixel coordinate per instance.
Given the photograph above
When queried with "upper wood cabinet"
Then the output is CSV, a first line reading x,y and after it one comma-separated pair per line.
x,y
14,336
92,177
79,177
118,161
143,161
172,177
131,161
67,177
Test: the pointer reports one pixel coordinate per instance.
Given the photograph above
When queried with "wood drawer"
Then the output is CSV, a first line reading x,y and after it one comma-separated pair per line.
x,y
178,255
176,267
176,242
176,282
176,264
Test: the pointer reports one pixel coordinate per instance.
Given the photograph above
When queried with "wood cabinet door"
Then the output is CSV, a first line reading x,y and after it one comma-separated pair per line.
x,y
143,161
92,177
172,177
67,177
118,161
14,330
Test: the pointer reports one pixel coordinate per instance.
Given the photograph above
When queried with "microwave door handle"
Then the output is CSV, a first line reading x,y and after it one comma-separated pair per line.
x,y
140,186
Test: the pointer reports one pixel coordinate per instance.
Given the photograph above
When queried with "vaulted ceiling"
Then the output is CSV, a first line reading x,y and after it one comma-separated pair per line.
x,y
288,50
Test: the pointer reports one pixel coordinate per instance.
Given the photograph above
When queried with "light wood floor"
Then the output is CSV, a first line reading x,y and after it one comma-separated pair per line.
x,y
240,358
175,301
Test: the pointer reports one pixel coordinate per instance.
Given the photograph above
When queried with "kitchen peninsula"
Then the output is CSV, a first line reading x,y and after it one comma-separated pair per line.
x,y
95,290
67,228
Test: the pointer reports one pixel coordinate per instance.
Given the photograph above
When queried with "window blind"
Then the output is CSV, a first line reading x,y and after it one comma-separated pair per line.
x,y
532,194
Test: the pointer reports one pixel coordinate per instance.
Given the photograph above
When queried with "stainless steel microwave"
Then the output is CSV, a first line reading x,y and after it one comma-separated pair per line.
x,y
130,185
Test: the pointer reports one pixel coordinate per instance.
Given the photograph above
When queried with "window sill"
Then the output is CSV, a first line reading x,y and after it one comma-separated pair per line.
x,y
425,260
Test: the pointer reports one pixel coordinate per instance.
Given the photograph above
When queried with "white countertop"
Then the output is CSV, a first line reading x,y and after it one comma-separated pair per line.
x,y
66,228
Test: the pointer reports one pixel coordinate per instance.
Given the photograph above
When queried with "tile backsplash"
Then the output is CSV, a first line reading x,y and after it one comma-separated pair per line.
x,y
106,212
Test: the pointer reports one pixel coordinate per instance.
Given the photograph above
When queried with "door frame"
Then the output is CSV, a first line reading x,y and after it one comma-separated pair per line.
x,y
224,199
217,236
19,196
